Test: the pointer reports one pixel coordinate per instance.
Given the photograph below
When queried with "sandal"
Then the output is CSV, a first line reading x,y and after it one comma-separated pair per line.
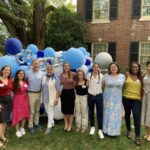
x,y
129,135
145,137
4,140
138,141
2,146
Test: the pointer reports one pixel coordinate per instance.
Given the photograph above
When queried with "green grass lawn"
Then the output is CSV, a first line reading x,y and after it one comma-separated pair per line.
x,y
60,140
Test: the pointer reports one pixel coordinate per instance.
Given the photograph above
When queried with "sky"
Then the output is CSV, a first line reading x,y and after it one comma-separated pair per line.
x,y
74,1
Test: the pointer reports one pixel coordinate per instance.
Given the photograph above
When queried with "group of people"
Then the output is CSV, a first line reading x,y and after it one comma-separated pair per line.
x,y
81,97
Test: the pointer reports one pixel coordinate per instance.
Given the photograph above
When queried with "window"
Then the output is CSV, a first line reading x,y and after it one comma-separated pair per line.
x,y
98,48
104,47
134,52
144,53
100,9
145,10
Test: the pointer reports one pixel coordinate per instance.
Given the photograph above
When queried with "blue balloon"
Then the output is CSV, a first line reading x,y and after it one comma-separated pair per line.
x,y
24,68
33,48
13,46
30,58
83,50
75,58
40,54
63,54
49,52
9,61
89,68
88,61
88,54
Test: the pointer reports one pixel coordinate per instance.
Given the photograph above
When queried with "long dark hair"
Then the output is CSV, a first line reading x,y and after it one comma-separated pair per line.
x,y
98,71
1,72
77,79
69,73
16,85
147,63
113,63
139,74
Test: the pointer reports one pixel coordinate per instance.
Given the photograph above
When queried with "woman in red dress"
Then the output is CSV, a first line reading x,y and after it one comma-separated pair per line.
x,y
20,111
5,101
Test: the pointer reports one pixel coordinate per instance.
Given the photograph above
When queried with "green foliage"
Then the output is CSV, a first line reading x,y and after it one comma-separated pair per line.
x,y
124,69
65,29
3,36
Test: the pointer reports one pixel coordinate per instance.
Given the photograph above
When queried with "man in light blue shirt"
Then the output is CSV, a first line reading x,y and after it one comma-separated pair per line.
x,y
34,77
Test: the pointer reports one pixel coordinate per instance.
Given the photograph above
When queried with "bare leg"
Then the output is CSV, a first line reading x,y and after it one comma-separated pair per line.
x,y
23,123
1,130
148,133
17,126
66,121
70,122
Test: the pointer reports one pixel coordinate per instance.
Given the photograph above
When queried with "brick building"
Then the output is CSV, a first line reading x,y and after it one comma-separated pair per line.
x,y
120,27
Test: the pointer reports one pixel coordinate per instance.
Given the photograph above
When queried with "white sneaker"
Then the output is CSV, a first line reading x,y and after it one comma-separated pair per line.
x,y
22,130
18,134
92,131
101,135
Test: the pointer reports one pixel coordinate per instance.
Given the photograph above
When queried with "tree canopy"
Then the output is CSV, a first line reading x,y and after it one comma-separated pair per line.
x,y
40,23
25,19
65,29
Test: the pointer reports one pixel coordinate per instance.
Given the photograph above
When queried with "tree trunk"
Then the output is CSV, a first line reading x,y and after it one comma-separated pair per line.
x,y
38,21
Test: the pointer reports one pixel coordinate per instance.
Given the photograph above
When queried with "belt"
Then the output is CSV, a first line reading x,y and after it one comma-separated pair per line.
x,y
34,91
95,94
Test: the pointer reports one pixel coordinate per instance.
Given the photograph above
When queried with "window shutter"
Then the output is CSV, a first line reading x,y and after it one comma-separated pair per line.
x,y
112,50
88,10
113,13
88,47
134,52
136,9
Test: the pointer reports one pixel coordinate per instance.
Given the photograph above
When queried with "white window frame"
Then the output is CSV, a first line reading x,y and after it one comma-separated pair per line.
x,y
94,21
144,18
144,55
101,51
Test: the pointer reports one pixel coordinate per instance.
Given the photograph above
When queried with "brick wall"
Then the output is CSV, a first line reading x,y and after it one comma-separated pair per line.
x,y
123,31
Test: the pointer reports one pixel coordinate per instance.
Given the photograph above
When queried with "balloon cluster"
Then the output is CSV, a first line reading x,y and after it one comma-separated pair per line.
x,y
78,58
19,58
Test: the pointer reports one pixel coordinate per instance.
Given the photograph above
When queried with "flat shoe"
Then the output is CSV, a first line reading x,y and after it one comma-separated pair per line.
x,y
2,146
129,135
147,140
65,129
4,140
69,129
145,137
138,141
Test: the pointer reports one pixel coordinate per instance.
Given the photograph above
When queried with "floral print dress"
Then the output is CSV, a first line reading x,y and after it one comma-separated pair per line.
x,y
112,101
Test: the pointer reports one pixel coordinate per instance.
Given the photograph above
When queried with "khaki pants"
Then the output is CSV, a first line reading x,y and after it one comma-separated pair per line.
x,y
34,103
81,111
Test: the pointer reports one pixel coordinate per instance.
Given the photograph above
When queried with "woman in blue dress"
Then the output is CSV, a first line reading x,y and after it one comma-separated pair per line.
x,y
113,83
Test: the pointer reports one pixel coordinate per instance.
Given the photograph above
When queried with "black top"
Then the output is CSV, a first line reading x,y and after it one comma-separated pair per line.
x,y
81,89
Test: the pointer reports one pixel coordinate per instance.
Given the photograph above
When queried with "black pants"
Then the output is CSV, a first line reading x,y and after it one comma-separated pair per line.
x,y
98,101
135,107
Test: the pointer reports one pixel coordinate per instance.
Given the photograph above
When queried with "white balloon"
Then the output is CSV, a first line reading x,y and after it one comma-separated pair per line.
x,y
103,59
58,70
84,69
